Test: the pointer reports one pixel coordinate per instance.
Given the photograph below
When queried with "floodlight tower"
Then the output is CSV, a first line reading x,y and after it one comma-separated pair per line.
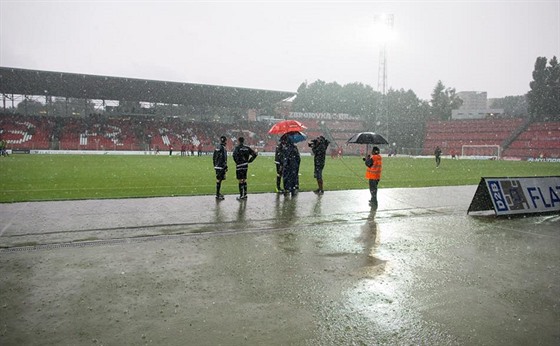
x,y
383,30
383,24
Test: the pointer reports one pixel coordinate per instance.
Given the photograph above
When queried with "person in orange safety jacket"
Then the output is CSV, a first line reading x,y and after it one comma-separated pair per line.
x,y
374,166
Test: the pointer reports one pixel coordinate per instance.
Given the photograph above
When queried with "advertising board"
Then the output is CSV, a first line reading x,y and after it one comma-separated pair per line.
x,y
523,195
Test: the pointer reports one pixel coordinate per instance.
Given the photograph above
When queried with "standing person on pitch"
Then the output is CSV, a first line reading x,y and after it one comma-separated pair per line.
x,y
319,149
290,167
243,156
220,165
437,154
374,166
278,161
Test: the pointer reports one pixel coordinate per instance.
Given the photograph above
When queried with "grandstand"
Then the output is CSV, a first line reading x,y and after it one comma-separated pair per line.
x,y
539,140
32,132
127,128
95,133
98,132
517,137
522,138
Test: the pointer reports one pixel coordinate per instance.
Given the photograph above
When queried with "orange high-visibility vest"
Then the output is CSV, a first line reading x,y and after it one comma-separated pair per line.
x,y
374,172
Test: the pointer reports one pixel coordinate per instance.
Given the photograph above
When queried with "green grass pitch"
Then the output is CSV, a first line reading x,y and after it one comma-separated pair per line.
x,y
66,177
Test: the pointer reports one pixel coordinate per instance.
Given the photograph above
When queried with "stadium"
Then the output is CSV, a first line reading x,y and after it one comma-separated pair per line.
x,y
156,115
181,268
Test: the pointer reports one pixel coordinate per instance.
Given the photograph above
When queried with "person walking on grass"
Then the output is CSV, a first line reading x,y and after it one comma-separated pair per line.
x,y
374,165
319,149
220,165
243,156
437,154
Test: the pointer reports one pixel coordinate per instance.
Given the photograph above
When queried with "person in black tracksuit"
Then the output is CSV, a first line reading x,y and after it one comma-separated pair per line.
x,y
278,160
243,155
319,148
290,167
437,154
220,165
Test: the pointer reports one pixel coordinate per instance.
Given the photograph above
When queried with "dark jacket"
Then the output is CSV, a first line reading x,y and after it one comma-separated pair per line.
x,y
279,154
220,157
243,155
319,149
290,162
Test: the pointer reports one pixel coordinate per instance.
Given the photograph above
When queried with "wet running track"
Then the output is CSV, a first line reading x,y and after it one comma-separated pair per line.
x,y
275,270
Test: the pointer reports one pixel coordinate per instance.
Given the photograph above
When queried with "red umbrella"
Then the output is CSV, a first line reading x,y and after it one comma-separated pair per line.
x,y
286,126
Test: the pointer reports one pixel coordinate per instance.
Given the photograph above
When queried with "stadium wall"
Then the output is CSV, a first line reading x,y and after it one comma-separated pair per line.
x,y
114,152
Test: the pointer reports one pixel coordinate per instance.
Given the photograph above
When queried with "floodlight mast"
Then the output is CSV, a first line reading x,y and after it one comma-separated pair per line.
x,y
384,28
384,31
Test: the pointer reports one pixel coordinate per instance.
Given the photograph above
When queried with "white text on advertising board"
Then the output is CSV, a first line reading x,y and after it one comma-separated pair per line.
x,y
525,195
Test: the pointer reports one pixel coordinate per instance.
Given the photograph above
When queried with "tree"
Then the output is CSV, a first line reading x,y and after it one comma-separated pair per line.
x,y
71,107
30,107
515,106
355,99
553,88
544,96
407,116
360,100
302,102
400,114
444,100
538,94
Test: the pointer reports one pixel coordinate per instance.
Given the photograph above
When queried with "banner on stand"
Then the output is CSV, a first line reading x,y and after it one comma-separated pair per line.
x,y
525,195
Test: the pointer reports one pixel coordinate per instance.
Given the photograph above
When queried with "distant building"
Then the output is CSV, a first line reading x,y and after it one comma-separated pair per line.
x,y
475,106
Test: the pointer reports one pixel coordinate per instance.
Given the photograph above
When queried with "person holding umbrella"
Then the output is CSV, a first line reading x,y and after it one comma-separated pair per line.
x,y
243,156
286,126
319,148
290,167
278,161
374,165
286,146
373,162
288,158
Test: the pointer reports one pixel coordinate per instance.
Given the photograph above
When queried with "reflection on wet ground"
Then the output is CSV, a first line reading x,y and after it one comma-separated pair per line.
x,y
303,270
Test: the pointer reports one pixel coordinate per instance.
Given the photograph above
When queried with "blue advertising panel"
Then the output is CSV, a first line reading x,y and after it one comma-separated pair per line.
x,y
524,195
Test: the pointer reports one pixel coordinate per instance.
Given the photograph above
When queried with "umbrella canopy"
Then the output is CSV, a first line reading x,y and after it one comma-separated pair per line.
x,y
286,126
367,138
296,136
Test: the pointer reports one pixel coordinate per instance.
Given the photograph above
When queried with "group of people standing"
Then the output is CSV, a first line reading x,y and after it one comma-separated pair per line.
x,y
287,160
242,155
186,148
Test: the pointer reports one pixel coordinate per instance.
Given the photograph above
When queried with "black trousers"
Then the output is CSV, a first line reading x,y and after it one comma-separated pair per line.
x,y
373,190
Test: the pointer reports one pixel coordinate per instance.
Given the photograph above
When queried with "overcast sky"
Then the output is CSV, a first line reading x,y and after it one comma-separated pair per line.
x,y
276,45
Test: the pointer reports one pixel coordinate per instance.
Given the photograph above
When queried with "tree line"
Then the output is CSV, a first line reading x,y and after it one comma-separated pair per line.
x,y
401,115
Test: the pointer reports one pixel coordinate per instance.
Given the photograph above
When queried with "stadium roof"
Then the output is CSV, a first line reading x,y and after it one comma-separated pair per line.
x,y
33,82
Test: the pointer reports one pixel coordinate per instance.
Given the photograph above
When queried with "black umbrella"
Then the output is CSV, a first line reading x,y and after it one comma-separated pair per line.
x,y
367,138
